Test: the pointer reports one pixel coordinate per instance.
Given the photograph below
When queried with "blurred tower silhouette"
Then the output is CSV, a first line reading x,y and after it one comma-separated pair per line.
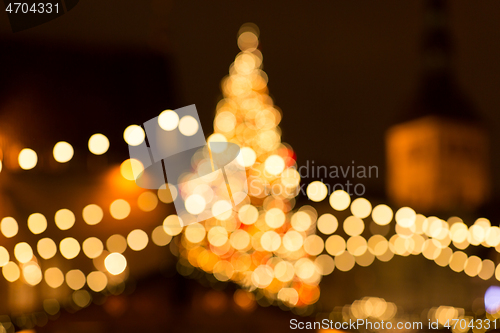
x,y
437,158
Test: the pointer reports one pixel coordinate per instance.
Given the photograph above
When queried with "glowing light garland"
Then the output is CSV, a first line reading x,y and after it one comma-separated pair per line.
x,y
265,246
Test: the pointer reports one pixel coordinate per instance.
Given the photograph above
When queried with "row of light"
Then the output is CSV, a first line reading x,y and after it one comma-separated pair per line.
x,y
114,261
98,143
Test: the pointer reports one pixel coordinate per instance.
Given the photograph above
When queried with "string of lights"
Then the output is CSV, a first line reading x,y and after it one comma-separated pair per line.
x,y
266,245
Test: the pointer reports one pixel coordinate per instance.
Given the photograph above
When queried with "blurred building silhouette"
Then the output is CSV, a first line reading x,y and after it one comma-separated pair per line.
x,y
437,158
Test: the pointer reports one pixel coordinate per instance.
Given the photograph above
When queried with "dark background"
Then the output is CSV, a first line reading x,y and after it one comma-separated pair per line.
x,y
341,71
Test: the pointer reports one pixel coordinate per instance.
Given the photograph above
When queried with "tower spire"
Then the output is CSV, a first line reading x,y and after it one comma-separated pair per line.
x,y
438,93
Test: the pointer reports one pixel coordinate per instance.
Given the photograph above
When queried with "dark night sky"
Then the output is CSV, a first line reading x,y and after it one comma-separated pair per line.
x,y
340,70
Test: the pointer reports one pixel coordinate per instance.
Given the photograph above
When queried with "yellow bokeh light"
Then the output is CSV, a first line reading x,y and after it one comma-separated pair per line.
x,y
262,276
240,239
46,248
382,214
290,178
405,217
217,236
63,152
246,157
134,135
316,191
168,120
11,272
69,248
353,226
97,281
270,241
340,200
378,245
327,224
274,165
188,126
361,208
457,261
119,209
301,221
275,218
324,264
248,214
116,243
335,245
284,271
75,279
92,214
248,41
64,219
54,277
172,225
167,195
32,274
313,245
431,249
344,262
492,237
473,266
195,204
223,270
225,121
23,252
222,210
487,269
37,223
289,296
9,227
131,169
195,233
160,237
137,240
27,159
357,245
444,257
293,240
98,144
147,201
304,268
92,247
217,142
4,256
115,263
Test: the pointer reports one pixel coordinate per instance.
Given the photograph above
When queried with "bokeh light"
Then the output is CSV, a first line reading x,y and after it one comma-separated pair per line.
x,y
119,209
168,120
340,200
115,263
188,126
92,214
69,248
27,159
9,227
134,135
37,223
316,191
46,248
63,152
65,219
98,144
23,252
